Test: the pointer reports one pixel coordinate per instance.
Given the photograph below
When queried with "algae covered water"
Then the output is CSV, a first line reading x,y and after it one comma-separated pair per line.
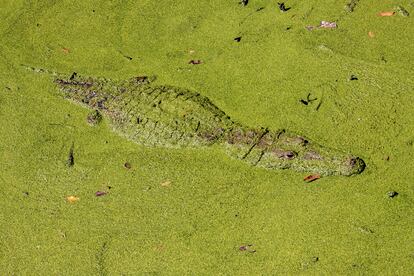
x,y
79,199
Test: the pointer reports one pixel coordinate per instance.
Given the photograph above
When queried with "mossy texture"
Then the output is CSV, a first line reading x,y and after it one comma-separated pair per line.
x,y
175,211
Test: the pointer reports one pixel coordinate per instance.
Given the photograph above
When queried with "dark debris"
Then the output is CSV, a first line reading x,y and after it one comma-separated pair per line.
x,y
195,61
392,194
308,100
71,158
282,7
238,39
244,2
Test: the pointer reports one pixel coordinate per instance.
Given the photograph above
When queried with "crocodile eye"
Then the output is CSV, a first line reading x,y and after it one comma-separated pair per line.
x,y
287,155
290,155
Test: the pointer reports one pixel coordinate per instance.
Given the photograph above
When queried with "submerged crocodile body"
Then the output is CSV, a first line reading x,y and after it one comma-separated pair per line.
x,y
166,116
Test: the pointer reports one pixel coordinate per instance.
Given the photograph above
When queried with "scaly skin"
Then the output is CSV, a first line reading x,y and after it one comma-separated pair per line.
x,y
165,116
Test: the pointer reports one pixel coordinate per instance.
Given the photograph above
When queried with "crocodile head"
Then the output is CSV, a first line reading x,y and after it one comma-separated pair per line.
x,y
284,150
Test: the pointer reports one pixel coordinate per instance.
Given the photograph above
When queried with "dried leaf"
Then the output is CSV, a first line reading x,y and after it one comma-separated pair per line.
x,y
311,177
387,13
72,199
166,183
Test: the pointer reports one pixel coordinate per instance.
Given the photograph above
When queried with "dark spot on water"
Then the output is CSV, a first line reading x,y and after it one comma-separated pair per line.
x,y
319,105
127,165
26,193
353,77
392,194
195,61
244,2
71,157
238,39
308,99
260,9
282,7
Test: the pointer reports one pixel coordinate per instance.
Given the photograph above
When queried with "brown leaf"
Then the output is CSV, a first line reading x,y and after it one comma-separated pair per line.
x,y
311,177
386,13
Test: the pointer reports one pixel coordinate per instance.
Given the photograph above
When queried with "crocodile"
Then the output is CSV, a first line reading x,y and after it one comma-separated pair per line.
x,y
168,116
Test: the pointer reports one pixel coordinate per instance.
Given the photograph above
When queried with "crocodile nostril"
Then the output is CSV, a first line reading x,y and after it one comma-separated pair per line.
x,y
357,164
352,161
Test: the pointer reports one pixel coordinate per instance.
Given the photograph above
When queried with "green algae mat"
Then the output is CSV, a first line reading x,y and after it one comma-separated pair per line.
x,y
174,137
